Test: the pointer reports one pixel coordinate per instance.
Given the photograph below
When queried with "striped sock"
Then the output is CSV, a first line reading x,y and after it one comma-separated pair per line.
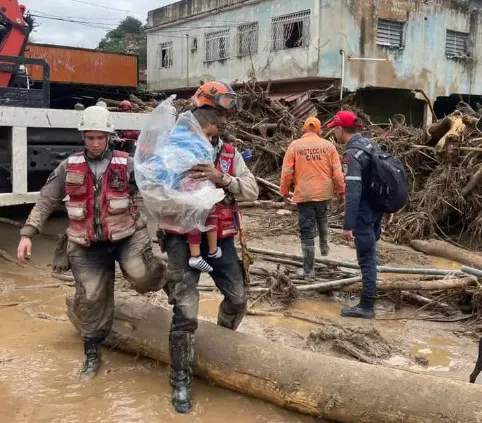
x,y
200,264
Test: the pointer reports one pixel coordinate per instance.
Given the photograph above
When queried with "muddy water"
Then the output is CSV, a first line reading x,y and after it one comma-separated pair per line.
x,y
41,355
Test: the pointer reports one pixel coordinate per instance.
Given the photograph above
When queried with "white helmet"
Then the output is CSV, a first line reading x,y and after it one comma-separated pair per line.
x,y
96,118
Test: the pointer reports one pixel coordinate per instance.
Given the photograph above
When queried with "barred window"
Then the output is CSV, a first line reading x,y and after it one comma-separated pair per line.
x,y
247,39
456,44
165,54
290,31
390,33
217,45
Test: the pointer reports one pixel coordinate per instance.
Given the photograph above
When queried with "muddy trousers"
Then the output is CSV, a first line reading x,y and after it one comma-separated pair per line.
x,y
93,269
313,215
182,281
367,232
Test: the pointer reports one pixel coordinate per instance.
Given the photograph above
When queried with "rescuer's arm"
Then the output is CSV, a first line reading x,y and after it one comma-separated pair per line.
x,y
51,195
287,172
337,172
353,190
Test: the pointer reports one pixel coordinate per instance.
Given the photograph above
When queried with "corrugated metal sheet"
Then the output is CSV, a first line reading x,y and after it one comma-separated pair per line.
x,y
70,65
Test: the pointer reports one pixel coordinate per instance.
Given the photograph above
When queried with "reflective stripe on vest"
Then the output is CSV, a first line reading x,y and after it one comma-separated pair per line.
x,y
115,203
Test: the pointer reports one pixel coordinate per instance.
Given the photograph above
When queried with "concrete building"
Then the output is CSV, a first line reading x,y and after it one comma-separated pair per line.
x,y
431,45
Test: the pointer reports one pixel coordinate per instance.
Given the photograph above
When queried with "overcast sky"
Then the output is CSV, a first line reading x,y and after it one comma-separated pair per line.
x,y
92,18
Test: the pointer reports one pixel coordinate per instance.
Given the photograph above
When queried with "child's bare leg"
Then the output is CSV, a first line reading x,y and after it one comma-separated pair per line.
x,y
196,261
195,250
212,242
214,250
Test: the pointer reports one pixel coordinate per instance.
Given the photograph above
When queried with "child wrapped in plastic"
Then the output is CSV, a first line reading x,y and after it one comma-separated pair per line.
x,y
165,152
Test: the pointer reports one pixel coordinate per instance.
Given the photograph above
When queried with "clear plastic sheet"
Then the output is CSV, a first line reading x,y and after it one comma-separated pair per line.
x,y
166,150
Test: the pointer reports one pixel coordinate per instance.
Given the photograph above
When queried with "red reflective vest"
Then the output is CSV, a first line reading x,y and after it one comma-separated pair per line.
x,y
113,218
228,223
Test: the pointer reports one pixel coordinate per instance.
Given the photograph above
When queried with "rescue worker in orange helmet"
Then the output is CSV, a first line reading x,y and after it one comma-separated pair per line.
x,y
312,165
104,227
230,173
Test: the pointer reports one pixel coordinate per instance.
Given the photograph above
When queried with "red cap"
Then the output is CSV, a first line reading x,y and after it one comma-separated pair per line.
x,y
345,119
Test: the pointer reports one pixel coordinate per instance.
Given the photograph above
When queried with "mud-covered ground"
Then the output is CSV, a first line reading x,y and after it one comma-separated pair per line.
x,y
40,352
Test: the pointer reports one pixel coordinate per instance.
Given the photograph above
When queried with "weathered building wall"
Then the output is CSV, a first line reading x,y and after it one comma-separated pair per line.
x,y
189,67
421,62
348,25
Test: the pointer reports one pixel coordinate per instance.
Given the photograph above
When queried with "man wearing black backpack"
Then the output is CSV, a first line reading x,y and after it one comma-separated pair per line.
x,y
376,187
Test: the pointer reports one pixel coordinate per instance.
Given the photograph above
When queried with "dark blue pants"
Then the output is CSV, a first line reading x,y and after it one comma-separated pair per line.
x,y
367,232
182,281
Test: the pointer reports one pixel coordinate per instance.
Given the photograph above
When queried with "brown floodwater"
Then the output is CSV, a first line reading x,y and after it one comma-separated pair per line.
x,y
41,355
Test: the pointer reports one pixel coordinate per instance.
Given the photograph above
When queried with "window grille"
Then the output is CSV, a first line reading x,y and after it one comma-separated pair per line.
x,y
247,39
290,31
165,54
217,45
456,44
390,33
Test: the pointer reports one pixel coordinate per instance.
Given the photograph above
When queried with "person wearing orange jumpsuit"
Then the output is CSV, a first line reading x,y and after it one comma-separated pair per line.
x,y
312,166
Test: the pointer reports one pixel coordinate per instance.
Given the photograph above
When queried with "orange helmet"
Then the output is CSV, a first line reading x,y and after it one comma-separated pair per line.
x,y
218,95
125,105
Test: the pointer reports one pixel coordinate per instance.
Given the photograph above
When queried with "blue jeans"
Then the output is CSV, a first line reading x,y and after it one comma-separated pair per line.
x,y
367,232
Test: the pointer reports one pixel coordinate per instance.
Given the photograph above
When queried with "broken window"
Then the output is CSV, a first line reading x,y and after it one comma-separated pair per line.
x,y
247,39
217,45
456,44
166,54
193,44
290,31
390,33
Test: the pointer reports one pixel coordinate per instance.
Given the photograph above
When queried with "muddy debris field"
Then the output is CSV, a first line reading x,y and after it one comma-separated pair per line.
x,y
428,332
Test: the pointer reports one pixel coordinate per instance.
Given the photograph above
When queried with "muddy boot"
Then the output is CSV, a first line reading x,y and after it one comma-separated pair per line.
x,y
323,235
93,359
308,270
231,321
360,310
180,376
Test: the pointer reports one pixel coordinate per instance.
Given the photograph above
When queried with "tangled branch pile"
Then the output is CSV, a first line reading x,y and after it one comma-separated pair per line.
x,y
444,170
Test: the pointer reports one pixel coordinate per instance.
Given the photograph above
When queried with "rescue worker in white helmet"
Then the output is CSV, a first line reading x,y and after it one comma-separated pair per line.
x,y
231,174
104,227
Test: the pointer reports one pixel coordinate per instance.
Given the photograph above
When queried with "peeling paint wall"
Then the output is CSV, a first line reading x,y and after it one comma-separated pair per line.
x,y
350,25
190,67
420,63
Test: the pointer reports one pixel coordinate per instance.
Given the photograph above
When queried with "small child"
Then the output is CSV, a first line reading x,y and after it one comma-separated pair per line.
x,y
208,121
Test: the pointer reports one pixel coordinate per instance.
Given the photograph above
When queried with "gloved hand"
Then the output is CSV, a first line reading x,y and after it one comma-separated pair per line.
x,y
247,155
60,262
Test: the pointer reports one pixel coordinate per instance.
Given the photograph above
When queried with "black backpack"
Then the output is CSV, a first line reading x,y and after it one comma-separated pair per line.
x,y
388,189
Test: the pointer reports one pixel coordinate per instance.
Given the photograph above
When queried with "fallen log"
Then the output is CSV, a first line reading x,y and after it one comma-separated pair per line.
x,y
417,285
445,250
381,269
267,205
315,384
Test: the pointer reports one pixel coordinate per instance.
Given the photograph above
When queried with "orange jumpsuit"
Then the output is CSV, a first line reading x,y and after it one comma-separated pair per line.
x,y
312,164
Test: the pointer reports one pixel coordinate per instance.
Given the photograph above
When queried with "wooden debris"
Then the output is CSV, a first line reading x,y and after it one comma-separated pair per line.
x,y
315,384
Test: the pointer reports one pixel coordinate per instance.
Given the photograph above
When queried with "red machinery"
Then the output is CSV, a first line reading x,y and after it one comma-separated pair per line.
x,y
15,27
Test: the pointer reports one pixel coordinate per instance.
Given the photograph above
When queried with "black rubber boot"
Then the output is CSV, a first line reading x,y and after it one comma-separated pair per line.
x,y
93,359
308,270
231,321
323,235
363,312
182,353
